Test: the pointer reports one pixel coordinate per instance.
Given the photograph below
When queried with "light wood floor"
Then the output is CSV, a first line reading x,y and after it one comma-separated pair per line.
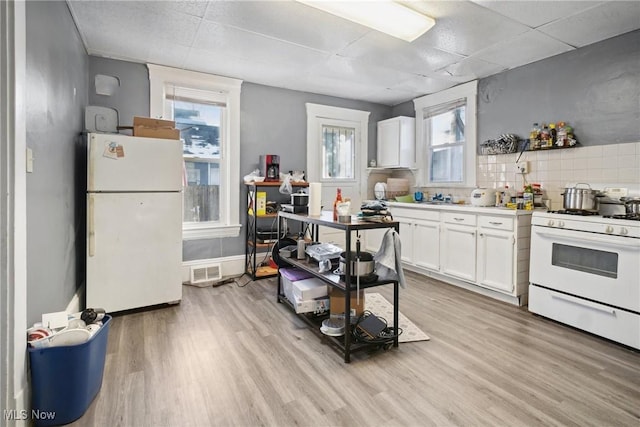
x,y
231,355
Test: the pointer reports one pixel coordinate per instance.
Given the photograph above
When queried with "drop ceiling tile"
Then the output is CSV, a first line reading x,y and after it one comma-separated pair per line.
x,y
468,69
136,22
380,49
352,70
463,27
272,74
189,7
424,85
599,23
392,96
523,49
223,40
290,21
536,13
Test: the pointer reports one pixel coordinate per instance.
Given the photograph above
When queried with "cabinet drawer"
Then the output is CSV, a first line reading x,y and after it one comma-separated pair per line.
x,y
429,215
499,222
459,218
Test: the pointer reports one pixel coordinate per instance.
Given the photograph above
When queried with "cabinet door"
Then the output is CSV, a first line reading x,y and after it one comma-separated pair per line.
x,y
426,244
496,259
458,251
406,239
389,143
373,239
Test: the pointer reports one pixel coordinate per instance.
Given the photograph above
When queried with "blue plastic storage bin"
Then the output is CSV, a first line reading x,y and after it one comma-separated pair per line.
x,y
66,379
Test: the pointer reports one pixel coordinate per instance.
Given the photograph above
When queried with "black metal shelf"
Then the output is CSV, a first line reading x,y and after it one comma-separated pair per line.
x,y
252,246
345,283
315,321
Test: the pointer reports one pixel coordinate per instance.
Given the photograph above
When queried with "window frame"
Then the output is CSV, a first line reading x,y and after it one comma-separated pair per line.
x,y
159,77
423,107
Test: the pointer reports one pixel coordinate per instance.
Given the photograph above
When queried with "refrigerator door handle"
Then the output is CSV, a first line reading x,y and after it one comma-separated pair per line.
x,y
91,226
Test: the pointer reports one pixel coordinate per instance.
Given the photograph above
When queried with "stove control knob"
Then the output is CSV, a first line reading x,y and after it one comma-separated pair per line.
x,y
624,231
550,223
609,229
561,224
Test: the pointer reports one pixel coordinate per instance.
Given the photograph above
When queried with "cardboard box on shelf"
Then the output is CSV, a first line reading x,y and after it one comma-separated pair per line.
x,y
155,128
337,302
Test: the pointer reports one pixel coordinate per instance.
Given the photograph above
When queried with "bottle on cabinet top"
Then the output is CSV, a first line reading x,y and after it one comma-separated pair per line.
x,y
335,203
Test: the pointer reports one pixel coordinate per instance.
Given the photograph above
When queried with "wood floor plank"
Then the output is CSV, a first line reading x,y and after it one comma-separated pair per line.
x,y
232,356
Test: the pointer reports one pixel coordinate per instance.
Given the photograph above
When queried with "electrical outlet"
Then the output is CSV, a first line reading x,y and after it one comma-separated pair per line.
x,y
522,167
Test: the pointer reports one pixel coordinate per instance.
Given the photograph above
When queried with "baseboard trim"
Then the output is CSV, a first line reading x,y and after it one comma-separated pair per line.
x,y
519,301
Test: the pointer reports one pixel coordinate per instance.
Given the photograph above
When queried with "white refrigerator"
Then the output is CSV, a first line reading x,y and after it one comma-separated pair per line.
x,y
134,221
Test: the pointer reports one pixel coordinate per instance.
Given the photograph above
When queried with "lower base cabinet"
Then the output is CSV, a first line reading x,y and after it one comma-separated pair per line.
x,y
458,247
425,237
489,251
495,259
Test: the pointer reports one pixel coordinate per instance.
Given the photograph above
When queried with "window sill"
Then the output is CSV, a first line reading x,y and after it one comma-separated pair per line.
x,y
195,232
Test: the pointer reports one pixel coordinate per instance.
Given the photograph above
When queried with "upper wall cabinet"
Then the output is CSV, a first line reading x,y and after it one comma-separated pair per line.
x,y
397,142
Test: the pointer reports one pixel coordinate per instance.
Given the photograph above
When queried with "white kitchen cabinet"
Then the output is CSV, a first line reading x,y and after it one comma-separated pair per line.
x,y
458,250
458,245
396,142
495,259
419,236
426,244
482,249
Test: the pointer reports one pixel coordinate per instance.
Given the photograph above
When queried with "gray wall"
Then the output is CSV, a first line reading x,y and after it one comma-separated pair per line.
x,y
57,70
272,121
131,98
595,89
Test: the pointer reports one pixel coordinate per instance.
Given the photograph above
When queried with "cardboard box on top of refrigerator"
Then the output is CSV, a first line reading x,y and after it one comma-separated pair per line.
x,y
155,128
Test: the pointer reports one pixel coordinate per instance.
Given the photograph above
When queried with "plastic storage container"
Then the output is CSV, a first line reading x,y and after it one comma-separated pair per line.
x,y
66,379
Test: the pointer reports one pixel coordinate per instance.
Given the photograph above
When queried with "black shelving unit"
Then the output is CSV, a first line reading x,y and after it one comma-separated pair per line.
x,y
258,255
343,344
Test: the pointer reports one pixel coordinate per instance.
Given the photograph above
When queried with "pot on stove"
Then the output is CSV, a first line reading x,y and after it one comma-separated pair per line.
x,y
631,204
580,199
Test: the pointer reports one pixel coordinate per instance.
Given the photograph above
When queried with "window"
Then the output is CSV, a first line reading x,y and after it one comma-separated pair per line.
x,y
446,136
206,109
338,152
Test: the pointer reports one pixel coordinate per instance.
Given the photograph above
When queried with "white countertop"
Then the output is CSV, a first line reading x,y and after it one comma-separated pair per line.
x,y
463,208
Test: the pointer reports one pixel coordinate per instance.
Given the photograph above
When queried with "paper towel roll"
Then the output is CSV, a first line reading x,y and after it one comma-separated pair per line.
x,y
315,194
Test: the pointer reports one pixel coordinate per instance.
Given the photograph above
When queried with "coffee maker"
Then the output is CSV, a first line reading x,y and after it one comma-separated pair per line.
x,y
270,167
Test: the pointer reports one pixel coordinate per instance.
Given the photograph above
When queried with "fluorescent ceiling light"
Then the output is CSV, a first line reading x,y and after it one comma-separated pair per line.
x,y
382,15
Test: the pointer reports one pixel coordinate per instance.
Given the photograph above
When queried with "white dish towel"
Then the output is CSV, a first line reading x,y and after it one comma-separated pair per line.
x,y
388,258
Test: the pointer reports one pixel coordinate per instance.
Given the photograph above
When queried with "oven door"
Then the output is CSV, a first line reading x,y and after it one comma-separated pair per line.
x,y
598,267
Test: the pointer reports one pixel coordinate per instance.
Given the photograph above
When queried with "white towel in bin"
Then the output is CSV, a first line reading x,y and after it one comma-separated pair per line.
x,y
388,259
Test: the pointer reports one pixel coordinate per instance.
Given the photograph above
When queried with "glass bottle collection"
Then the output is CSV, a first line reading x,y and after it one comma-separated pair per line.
x,y
553,135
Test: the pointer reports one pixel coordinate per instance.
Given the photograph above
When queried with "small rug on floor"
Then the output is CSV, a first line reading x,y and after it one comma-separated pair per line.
x,y
378,305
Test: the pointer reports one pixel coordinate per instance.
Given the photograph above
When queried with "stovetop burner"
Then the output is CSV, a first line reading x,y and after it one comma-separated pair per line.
x,y
629,216
576,213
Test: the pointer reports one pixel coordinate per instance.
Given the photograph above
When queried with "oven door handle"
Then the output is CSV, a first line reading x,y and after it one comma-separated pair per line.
x,y
587,304
582,237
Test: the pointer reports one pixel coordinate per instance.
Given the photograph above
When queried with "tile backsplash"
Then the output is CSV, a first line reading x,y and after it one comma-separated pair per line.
x,y
552,169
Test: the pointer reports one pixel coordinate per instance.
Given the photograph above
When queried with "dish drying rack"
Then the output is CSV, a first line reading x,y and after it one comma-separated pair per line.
x,y
505,144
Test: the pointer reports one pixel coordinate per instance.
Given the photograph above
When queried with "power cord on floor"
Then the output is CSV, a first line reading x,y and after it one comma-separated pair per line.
x,y
383,337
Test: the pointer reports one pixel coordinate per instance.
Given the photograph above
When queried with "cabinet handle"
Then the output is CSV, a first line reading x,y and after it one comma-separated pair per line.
x,y
481,234
495,223
459,219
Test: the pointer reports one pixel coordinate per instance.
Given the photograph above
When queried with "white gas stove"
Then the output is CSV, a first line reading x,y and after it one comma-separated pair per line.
x,y
612,225
585,272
